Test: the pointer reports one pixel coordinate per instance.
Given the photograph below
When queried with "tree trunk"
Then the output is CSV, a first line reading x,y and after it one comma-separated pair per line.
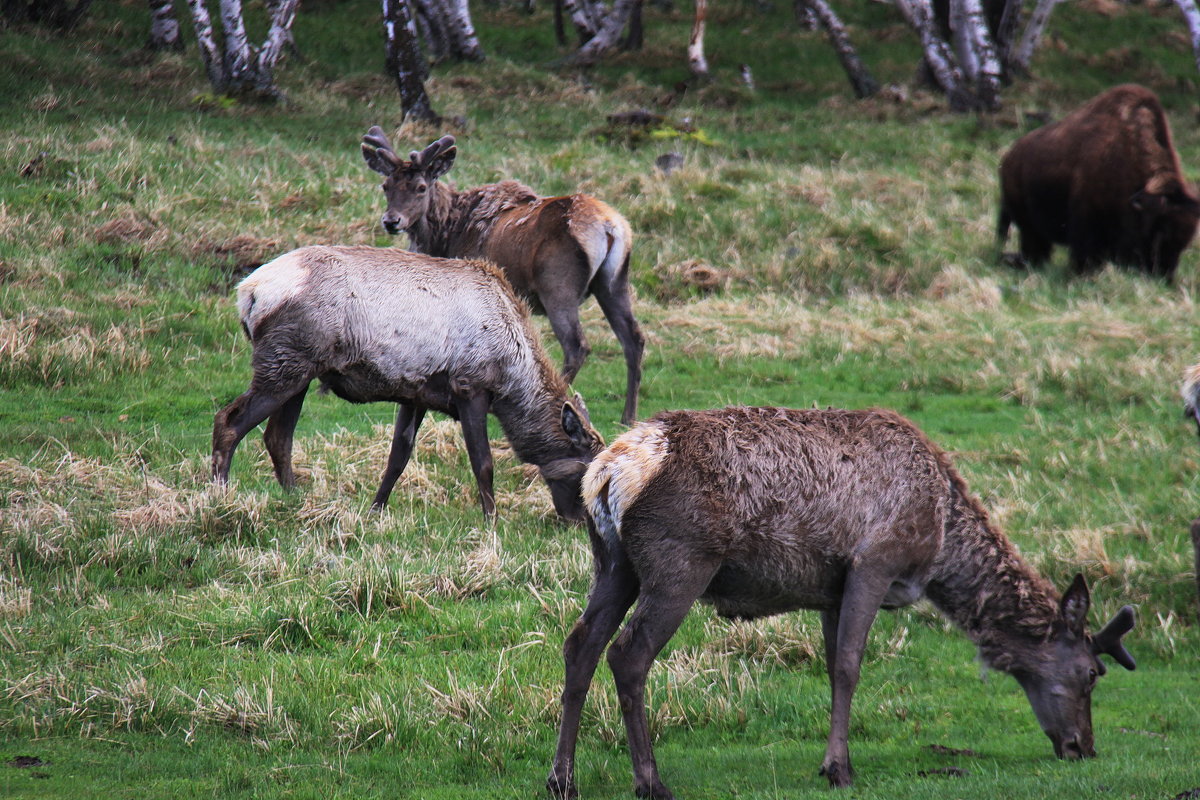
x,y
237,47
985,71
583,18
635,36
861,79
696,61
1033,34
938,55
464,43
214,65
283,13
607,36
404,60
1006,34
1191,16
164,26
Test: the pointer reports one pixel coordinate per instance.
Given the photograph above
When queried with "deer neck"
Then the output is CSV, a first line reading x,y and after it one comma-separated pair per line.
x,y
433,234
984,586
530,412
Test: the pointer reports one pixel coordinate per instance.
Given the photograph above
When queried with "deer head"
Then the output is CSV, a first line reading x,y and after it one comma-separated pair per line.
x,y
1058,677
407,184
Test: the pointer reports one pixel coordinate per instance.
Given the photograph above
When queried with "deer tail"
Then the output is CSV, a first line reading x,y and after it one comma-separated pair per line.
x,y
621,474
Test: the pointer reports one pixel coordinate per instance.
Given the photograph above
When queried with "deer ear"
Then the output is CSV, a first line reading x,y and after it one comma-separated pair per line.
x,y
1075,604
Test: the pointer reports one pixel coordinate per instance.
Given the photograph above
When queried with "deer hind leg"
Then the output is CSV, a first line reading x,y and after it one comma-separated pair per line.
x,y
235,420
659,612
617,305
281,426
564,321
845,631
613,592
408,420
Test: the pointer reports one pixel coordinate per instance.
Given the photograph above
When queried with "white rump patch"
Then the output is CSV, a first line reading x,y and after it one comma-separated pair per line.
x,y
269,286
624,468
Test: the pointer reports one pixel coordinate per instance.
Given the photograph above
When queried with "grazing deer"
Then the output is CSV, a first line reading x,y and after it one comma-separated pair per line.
x,y
555,251
427,333
764,510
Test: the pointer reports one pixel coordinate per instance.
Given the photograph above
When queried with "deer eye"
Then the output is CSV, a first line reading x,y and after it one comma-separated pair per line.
x,y
421,189
1092,675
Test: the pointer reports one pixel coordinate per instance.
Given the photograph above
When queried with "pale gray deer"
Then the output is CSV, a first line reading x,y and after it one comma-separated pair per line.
x,y
759,511
555,251
426,333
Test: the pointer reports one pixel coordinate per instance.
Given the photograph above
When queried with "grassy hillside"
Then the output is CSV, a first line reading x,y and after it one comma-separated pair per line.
x,y
163,638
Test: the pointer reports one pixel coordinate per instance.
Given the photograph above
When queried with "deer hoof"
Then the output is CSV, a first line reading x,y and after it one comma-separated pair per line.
x,y
840,775
561,788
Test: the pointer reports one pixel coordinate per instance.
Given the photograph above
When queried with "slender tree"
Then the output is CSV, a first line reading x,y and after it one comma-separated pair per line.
x,y
861,79
234,66
697,63
404,60
1023,53
1191,16
164,26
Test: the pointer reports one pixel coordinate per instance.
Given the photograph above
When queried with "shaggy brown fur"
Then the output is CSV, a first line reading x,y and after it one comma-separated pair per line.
x,y
764,510
555,251
1105,181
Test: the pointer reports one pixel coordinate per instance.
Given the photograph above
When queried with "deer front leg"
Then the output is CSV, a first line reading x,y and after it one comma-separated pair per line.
x,y
408,421
845,630
472,410
613,592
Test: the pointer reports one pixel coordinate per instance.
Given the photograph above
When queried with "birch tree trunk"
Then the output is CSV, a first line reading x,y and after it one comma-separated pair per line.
x,y
464,42
607,36
696,61
404,60
214,65
938,55
1191,16
861,79
1006,34
279,36
960,35
238,68
583,18
164,26
1032,35
985,72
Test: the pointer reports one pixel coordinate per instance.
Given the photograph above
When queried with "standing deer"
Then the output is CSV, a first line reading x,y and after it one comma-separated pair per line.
x,y
764,510
427,333
555,251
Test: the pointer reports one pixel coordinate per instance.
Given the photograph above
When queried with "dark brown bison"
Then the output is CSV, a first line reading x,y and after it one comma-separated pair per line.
x,y
1105,181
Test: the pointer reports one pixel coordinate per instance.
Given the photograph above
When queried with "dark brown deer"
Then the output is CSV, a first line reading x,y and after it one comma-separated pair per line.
x,y
1105,180
764,510
426,333
555,251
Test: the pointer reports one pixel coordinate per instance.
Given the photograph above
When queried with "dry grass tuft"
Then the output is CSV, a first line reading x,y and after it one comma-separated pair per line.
x,y
265,723
373,722
781,641
16,601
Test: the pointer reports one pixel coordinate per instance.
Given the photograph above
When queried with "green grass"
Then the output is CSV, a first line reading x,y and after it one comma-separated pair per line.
x,y
163,638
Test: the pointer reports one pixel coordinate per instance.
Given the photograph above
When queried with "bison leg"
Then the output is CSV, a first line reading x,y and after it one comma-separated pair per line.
x,y
408,420
845,630
281,426
617,306
1035,249
613,592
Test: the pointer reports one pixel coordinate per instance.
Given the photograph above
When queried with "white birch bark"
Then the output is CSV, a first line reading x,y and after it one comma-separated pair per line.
x,y
164,27
938,54
279,36
960,34
985,61
695,51
405,61
861,79
1191,16
582,18
237,47
464,41
1023,53
214,65
607,36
